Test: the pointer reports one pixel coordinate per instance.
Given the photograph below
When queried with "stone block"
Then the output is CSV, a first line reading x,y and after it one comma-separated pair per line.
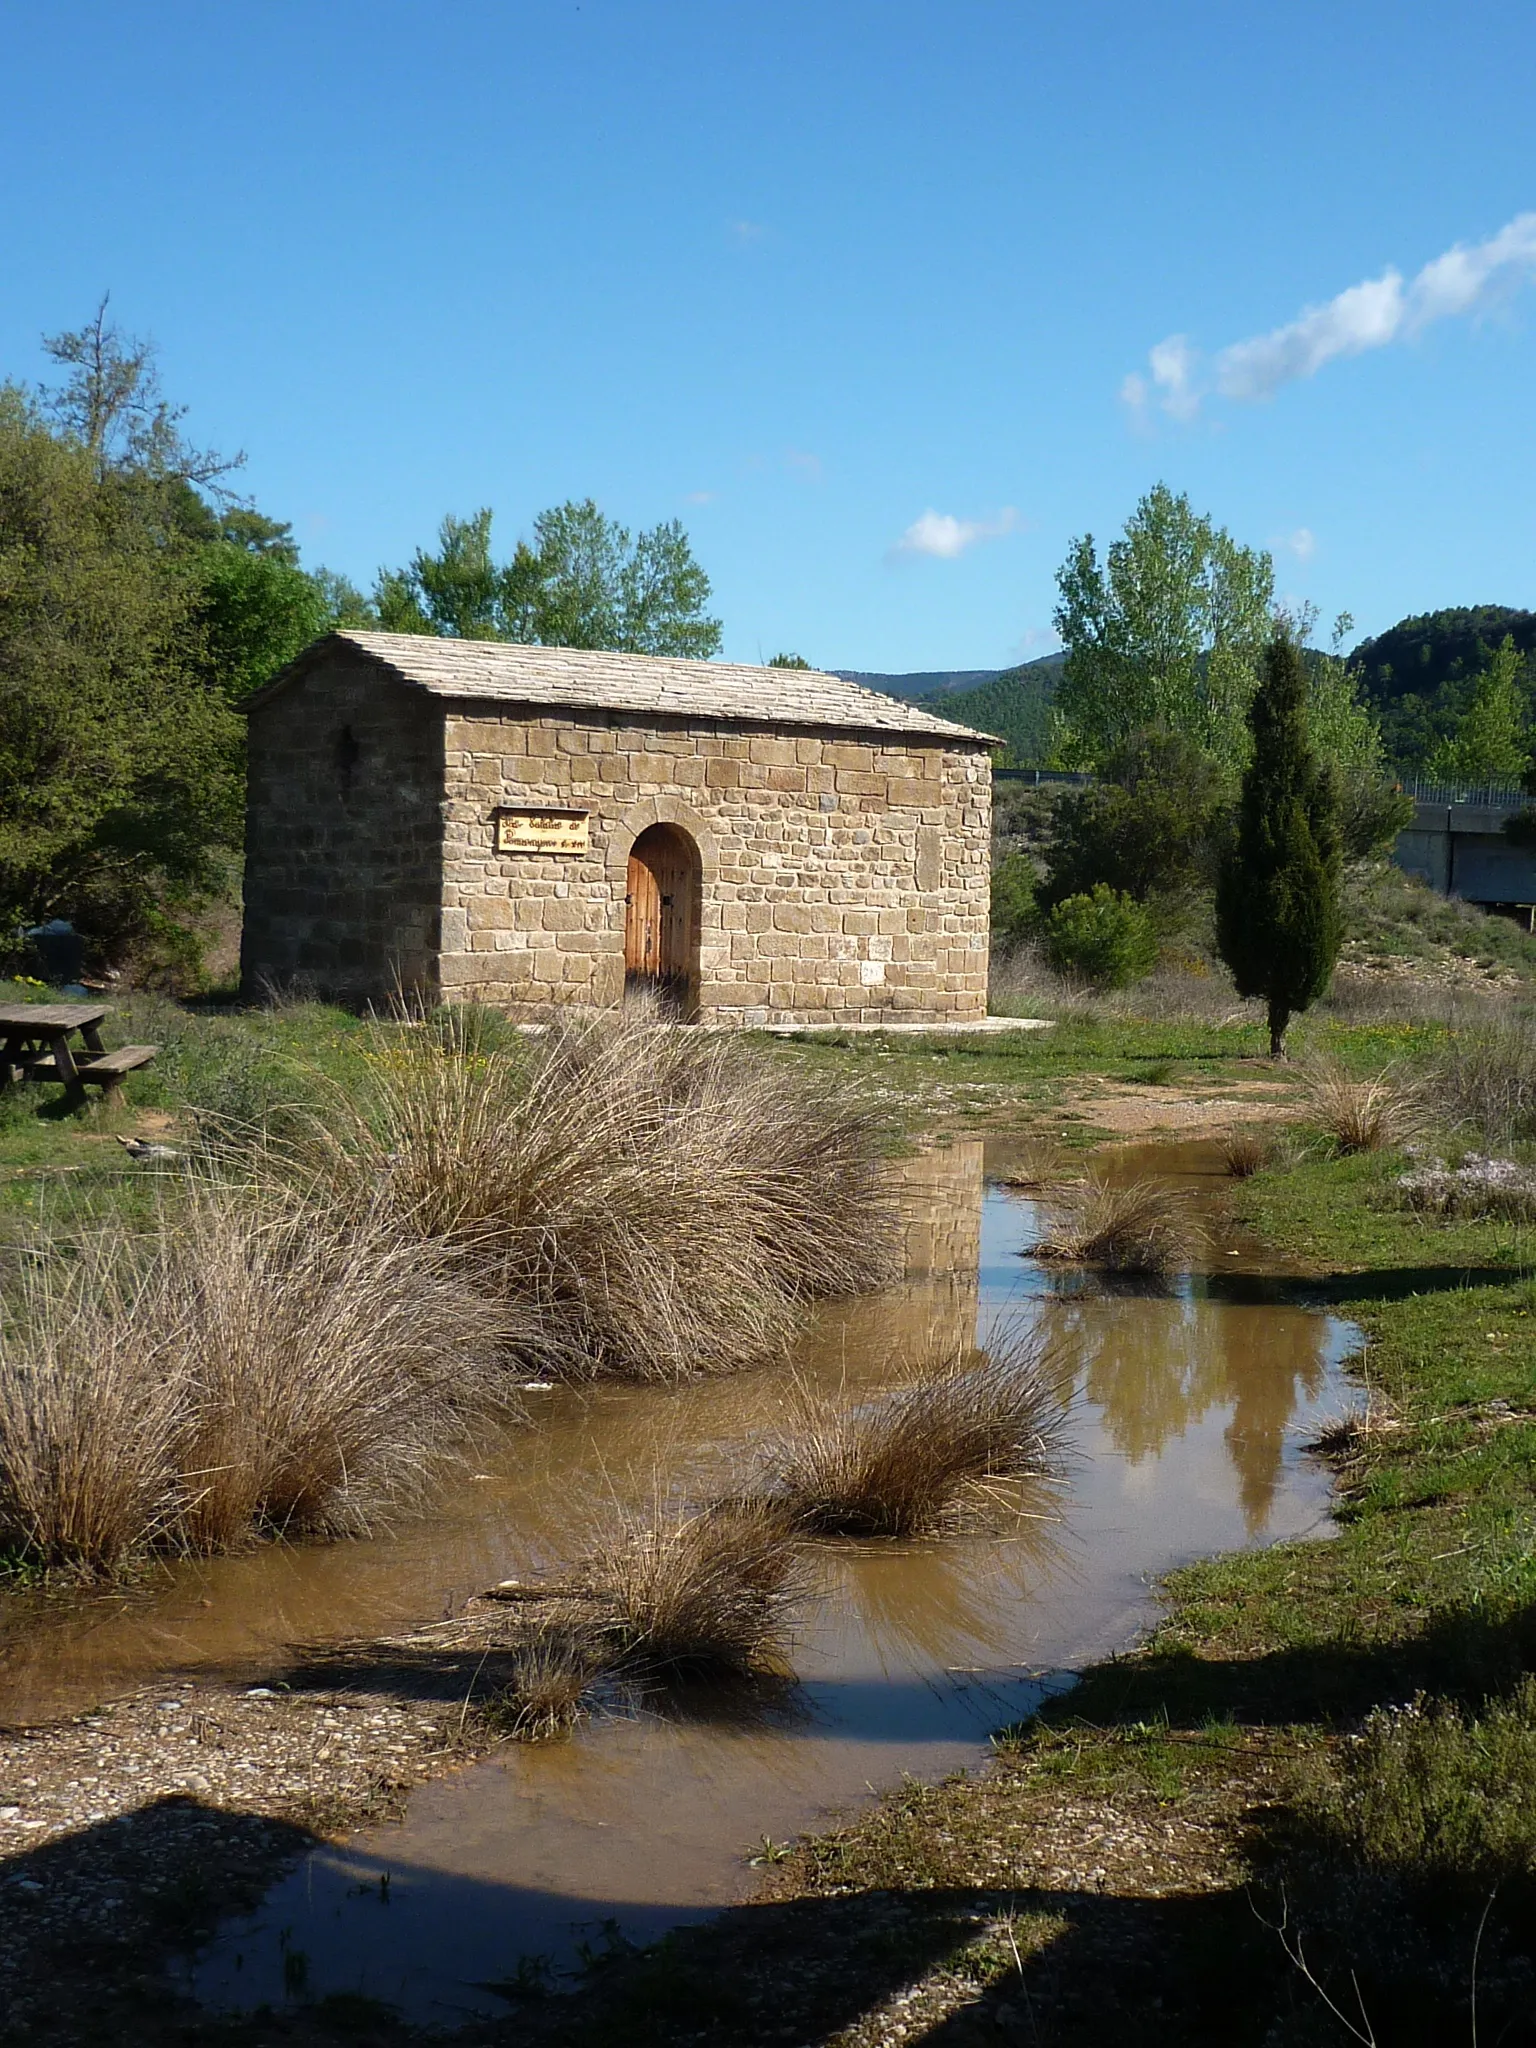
x,y
791,917
563,914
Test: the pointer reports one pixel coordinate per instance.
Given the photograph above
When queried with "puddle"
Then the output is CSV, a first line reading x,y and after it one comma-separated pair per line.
x,y
1191,1407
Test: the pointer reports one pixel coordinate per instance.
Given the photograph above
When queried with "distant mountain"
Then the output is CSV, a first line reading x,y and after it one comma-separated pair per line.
x,y
912,689
1013,703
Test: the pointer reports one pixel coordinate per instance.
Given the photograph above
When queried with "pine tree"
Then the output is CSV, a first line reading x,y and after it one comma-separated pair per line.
x,y
1278,919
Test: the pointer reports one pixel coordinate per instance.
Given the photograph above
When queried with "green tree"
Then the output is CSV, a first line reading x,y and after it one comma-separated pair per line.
x,y
111,404
1278,917
1167,631
256,612
1014,913
1490,743
1145,828
119,797
583,581
1345,733
789,661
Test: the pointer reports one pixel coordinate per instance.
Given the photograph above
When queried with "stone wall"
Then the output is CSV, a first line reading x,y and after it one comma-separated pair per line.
x,y
844,878
343,853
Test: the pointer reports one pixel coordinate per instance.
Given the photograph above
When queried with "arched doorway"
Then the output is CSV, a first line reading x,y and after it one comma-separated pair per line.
x,y
661,920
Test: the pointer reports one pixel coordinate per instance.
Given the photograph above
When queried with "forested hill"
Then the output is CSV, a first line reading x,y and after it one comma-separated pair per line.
x,y
1417,676
1013,703
922,683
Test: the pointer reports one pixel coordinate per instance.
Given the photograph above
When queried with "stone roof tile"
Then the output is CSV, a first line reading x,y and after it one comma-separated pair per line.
x,y
567,678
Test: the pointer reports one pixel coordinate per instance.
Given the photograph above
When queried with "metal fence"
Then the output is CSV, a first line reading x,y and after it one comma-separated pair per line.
x,y
1496,793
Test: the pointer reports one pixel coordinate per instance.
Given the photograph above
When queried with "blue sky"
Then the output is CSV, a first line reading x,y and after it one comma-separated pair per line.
x,y
866,294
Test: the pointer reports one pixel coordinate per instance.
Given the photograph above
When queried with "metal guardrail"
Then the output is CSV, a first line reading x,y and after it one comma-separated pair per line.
x,y
1510,793
1459,793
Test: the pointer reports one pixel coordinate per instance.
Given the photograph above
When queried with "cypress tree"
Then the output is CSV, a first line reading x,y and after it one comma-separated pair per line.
x,y
1278,917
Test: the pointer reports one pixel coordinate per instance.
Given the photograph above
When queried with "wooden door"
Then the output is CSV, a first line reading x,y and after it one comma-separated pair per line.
x,y
661,917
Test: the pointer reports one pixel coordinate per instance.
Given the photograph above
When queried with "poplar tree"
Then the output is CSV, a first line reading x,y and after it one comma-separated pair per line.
x,y
1278,917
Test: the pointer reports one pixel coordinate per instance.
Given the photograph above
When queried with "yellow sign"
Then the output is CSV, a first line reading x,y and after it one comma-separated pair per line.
x,y
541,831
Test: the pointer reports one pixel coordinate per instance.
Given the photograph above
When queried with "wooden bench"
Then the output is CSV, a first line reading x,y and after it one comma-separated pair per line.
x,y
105,1070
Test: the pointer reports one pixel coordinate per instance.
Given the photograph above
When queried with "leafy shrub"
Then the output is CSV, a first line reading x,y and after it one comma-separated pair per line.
x,y
1146,828
1104,938
1014,912
1434,1792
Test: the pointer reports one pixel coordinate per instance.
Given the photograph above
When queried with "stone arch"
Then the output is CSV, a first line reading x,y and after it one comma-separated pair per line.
x,y
627,826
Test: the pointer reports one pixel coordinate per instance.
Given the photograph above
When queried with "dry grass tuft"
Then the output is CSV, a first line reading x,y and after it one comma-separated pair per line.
x,y
657,1202
711,1590
251,1369
912,1459
548,1680
1363,1114
1033,1162
1144,1225
1487,1077
1247,1149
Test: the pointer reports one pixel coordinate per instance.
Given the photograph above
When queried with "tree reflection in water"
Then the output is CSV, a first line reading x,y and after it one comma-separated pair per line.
x,y
1157,1367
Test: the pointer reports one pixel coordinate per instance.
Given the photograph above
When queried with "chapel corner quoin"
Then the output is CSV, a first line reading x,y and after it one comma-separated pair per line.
x,y
537,828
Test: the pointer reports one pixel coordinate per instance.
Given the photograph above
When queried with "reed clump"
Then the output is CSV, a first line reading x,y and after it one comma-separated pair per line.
x,y
706,1590
1364,1113
1247,1149
1486,1077
657,1202
914,1459
1143,1224
250,1369
549,1675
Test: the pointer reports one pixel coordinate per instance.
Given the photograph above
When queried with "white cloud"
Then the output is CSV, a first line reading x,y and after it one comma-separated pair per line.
x,y
942,535
1173,363
807,464
1364,317
1373,314
702,497
747,230
1302,543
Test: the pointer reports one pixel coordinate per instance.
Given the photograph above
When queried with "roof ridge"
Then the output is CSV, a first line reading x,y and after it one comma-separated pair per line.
x,y
607,679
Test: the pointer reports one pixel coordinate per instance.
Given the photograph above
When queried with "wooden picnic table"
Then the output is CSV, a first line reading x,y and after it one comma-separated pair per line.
x,y
35,1046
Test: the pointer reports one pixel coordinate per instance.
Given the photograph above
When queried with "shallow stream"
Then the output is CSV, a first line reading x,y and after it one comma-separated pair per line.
x,y
1190,1409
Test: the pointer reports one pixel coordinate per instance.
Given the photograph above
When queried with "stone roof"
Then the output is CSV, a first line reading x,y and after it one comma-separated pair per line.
x,y
568,678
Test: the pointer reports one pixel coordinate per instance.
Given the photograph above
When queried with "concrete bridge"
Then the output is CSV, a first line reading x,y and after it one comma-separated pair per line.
x,y
1456,844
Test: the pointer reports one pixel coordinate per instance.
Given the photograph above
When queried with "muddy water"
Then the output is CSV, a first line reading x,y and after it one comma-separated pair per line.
x,y
1190,1407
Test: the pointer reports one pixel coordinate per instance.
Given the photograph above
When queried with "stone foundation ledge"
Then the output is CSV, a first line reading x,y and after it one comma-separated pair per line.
x,y
940,1027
